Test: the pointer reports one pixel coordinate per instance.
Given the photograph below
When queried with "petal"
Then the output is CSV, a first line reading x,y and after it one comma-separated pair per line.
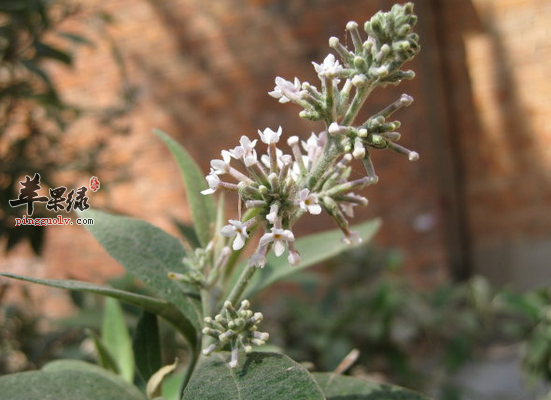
x,y
228,231
265,239
239,242
314,209
279,247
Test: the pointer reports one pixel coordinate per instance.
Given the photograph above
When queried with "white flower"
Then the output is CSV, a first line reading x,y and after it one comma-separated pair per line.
x,y
268,136
314,146
221,166
239,230
329,68
246,151
213,181
308,202
286,91
272,216
279,237
258,260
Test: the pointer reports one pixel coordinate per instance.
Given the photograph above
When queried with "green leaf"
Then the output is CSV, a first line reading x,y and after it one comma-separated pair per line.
x,y
203,209
188,232
67,380
259,376
156,306
45,51
313,249
339,387
105,358
150,254
116,338
146,344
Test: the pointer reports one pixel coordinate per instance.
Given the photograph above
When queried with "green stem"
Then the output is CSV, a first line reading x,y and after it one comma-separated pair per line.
x,y
357,102
331,152
241,284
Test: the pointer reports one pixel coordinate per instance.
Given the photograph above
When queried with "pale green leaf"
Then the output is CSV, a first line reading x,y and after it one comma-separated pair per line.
x,y
115,336
259,376
339,387
155,306
150,254
105,358
203,209
146,344
67,380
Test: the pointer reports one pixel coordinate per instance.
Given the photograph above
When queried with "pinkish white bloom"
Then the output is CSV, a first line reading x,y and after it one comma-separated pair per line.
x,y
314,146
329,68
213,181
246,151
286,91
279,237
308,202
222,166
239,230
268,136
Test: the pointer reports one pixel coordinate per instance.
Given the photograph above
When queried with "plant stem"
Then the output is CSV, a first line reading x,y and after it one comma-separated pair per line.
x,y
357,102
241,284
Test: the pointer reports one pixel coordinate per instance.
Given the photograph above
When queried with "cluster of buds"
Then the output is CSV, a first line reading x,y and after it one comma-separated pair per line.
x,y
236,328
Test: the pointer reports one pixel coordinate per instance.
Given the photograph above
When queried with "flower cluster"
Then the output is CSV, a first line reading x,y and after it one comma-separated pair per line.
x,y
238,328
277,187
315,175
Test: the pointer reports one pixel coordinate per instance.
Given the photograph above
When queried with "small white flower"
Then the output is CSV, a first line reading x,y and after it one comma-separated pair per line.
x,y
286,91
314,146
308,202
329,68
239,230
268,136
221,166
246,151
279,237
213,181
272,216
258,260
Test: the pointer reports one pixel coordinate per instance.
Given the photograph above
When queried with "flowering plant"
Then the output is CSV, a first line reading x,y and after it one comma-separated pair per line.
x,y
206,297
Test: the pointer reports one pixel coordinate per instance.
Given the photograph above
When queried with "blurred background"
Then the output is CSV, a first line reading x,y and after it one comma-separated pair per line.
x,y
82,84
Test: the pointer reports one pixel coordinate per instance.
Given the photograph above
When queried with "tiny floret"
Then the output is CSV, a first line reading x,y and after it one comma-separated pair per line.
x,y
268,136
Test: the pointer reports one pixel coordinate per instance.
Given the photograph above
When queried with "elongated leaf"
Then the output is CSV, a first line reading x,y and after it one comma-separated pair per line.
x,y
338,387
105,358
203,209
116,338
67,380
155,306
146,344
313,249
259,376
188,233
149,254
